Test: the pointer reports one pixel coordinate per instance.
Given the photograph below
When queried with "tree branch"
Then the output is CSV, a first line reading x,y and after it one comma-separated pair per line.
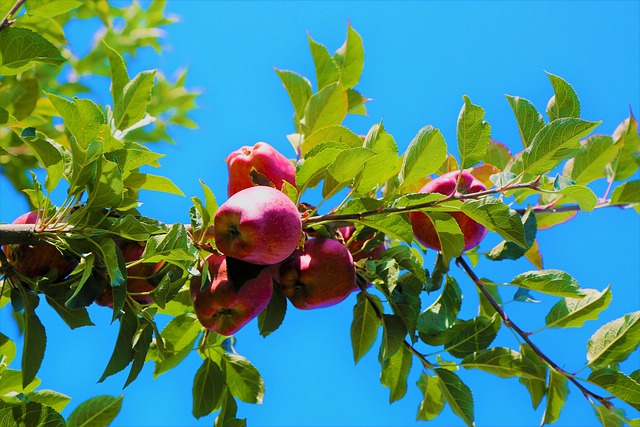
x,y
6,22
525,335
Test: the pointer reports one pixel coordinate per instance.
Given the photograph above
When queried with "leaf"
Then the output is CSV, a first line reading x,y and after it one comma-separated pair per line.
x,y
136,96
393,334
614,341
405,302
51,8
548,220
119,76
316,161
272,316
364,327
426,152
564,102
49,156
627,193
474,134
145,181
142,341
457,395
35,340
395,372
74,317
510,250
243,379
433,402
327,71
350,58
442,314
498,217
7,350
584,196
617,383
349,163
53,399
626,162
20,48
408,259
384,165
335,133
502,362
31,414
98,411
356,102
208,385
591,160
609,417
449,235
529,120
299,90
556,397
123,352
550,282
473,335
572,312
108,190
555,142
537,386
228,411
325,108
497,155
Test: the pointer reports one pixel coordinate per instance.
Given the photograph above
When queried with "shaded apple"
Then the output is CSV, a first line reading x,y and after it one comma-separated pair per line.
x,y
320,276
258,165
260,225
423,227
356,244
37,260
222,308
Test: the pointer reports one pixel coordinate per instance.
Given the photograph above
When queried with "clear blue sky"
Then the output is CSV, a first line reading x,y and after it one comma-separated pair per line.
x,y
420,58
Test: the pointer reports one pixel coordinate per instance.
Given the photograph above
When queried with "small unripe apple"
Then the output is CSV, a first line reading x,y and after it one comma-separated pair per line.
x,y
355,245
423,227
320,276
260,225
222,308
258,165
39,259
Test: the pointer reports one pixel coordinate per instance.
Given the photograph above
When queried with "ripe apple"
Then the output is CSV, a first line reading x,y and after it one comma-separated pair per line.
x,y
423,227
39,259
355,245
259,225
320,276
223,309
258,165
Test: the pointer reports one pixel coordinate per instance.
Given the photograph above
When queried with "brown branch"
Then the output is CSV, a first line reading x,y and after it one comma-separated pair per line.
x,y
525,335
7,22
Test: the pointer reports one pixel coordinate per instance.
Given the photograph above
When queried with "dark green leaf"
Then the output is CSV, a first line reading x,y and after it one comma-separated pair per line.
x,y
564,102
556,397
356,102
433,401
228,411
243,379
614,341
364,327
629,192
35,341
20,48
618,384
551,282
142,342
442,314
502,362
473,335
529,120
474,134
498,217
272,316
537,386
393,335
31,414
427,151
123,352
609,417
53,399
395,372
572,312
208,385
510,250
457,395
408,259
98,411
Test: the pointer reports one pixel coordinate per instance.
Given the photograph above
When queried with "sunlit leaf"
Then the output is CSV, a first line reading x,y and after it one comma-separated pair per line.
x,y
614,341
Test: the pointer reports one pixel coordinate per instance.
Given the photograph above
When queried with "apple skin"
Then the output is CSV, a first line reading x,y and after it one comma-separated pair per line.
x,y
423,227
355,245
258,165
260,225
223,309
320,276
37,260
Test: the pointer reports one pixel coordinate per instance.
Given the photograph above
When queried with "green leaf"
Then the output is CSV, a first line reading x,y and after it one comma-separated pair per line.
x,y
53,399
98,411
449,234
51,8
618,384
145,181
272,316
442,314
529,120
550,282
627,193
614,341
49,155
497,155
334,133
349,163
74,317
395,372
405,302
509,250
142,341
502,362
584,196
457,395
136,96
393,334
537,386
498,217
123,352
35,340
364,327
474,134
228,411
626,163
473,335
119,76
133,156
556,397
7,350
326,108
208,385
433,402
591,160
299,90
613,417
383,165
555,142
243,379
426,152
564,102
327,71
572,312
82,117
408,258
356,102
350,58
108,190
316,162
396,226
20,48
31,414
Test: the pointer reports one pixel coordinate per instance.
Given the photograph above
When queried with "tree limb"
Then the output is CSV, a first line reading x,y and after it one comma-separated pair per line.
x,y
7,22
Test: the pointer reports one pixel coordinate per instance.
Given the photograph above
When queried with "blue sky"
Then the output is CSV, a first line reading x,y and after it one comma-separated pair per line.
x,y
420,59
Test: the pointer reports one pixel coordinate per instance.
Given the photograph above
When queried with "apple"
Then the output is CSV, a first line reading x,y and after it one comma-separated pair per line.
x,y
355,245
260,225
321,275
423,227
258,165
222,308
38,260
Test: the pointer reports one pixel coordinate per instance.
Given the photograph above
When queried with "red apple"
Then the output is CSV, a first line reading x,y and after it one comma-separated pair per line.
x,y
39,259
258,165
423,227
320,276
259,225
355,245
223,309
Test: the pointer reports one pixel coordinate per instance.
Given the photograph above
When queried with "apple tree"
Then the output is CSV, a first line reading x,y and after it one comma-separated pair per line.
x,y
350,214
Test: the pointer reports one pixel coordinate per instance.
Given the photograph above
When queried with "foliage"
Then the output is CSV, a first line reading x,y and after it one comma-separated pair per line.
x,y
52,122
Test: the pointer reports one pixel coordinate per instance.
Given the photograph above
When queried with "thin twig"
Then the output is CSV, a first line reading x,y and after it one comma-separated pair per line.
x,y
6,22
525,335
